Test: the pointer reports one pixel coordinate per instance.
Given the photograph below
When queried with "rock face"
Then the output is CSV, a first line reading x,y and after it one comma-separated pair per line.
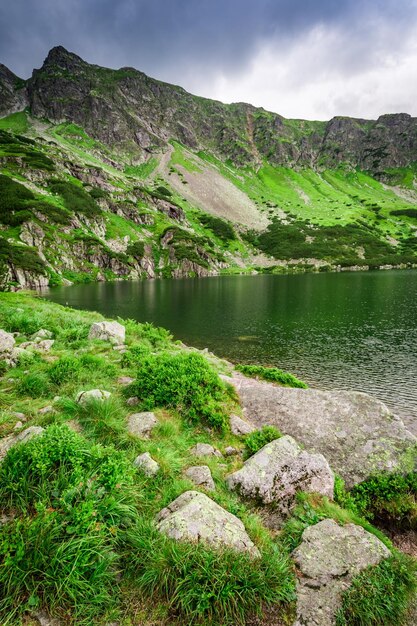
x,y
25,435
141,424
328,558
355,432
108,331
201,476
238,426
281,469
193,516
84,397
147,464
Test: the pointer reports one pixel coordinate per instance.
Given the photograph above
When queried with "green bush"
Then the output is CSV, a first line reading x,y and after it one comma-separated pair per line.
x,y
14,201
136,249
272,374
222,229
75,198
379,596
182,381
388,497
259,438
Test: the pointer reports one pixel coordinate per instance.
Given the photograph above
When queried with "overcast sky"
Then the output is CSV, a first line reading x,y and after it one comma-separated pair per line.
x,y
302,58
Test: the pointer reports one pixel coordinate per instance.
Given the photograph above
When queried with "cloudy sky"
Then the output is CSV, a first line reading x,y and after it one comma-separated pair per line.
x,y
301,58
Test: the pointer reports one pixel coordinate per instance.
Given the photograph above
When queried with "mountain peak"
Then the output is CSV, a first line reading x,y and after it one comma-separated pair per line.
x,y
60,56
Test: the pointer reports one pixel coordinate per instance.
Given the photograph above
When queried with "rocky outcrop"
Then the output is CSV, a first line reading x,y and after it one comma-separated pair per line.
x,y
278,471
113,332
13,93
328,558
193,516
356,433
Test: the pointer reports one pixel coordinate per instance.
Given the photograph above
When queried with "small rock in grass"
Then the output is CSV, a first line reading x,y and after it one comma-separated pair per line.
x,y
44,619
18,425
119,348
113,332
46,409
84,397
195,517
7,442
201,476
132,401
147,464
141,424
230,451
41,334
19,416
8,353
205,449
125,380
238,426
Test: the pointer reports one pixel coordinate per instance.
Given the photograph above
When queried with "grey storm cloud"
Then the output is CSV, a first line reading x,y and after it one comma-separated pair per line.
x,y
194,42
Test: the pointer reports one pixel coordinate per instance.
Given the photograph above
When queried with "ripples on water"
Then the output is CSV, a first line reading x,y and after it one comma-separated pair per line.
x,y
345,331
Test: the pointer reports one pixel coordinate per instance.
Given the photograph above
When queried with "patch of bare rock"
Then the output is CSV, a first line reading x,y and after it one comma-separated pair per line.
x,y
328,559
356,433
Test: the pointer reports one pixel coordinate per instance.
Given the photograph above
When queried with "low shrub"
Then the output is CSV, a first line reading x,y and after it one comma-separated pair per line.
x,y
272,374
222,229
65,369
33,385
379,596
75,198
182,381
259,438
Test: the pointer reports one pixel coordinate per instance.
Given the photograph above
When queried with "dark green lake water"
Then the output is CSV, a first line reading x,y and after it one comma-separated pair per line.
x,y
346,331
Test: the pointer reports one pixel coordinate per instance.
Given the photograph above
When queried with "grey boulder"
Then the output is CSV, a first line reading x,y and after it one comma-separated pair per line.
x,y
193,516
141,424
84,397
113,332
205,449
8,353
328,558
146,464
356,433
201,476
281,469
238,426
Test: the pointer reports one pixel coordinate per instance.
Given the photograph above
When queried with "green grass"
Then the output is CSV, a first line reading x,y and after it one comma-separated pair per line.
x,y
271,374
259,438
16,122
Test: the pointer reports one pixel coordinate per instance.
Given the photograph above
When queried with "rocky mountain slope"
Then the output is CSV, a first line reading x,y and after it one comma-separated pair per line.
x,y
109,173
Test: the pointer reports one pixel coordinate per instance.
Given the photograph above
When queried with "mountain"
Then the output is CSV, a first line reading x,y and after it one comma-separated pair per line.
x,y
109,173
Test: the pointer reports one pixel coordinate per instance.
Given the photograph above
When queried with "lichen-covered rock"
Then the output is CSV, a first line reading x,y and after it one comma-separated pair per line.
x,y
141,424
108,331
41,334
205,449
281,469
8,442
238,426
201,476
8,353
146,464
41,345
328,558
193,516
356,433
125,380
84,397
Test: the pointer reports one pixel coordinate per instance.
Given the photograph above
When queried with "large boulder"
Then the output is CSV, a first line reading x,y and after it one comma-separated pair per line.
x,y
355,432
8,442
108,331
193,516
328,558
279,470
8,354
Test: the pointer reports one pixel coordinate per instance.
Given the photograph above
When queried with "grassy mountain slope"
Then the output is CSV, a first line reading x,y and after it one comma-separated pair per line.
x,y
109,173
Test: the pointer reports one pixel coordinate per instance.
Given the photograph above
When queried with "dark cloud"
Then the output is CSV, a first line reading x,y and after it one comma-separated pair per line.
x,y
191,42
